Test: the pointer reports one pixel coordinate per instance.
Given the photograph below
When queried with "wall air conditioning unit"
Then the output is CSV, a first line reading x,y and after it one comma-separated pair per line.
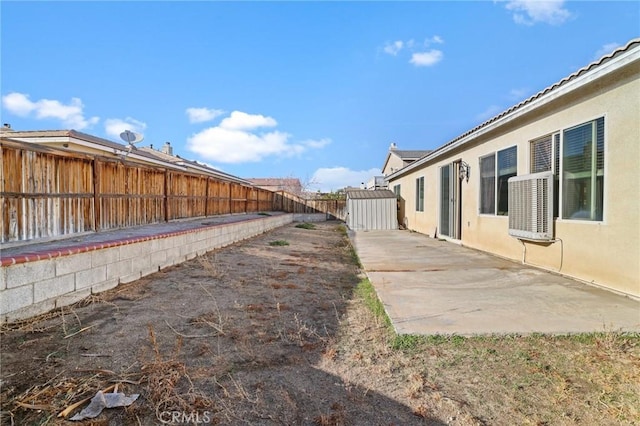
x,y
531,206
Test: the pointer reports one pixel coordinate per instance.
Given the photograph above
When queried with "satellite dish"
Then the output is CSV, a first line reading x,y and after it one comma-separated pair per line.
x,y
130,137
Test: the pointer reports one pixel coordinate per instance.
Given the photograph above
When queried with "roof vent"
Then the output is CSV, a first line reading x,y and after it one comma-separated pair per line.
x,y
393,146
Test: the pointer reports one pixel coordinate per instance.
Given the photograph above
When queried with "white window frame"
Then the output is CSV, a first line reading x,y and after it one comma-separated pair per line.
x,y
480,212
496,177
605,172
420,200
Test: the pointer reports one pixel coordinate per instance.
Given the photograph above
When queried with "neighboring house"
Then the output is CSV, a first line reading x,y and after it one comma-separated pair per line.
x,y
291,185
583,135
72,140
376,182
398,159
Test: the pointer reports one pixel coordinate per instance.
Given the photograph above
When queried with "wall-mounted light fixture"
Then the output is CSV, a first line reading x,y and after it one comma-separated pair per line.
x,y
465,171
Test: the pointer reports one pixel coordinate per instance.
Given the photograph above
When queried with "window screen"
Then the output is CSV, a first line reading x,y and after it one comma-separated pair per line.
x,y
541,155
488,184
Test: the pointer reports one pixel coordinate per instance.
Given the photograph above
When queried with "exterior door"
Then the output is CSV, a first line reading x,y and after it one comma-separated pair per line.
x,y
450,201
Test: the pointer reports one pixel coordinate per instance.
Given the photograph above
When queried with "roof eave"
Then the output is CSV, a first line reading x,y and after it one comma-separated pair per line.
x,y
534,102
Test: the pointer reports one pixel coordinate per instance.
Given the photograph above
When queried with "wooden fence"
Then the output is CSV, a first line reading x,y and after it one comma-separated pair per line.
x,y
284,201
47,192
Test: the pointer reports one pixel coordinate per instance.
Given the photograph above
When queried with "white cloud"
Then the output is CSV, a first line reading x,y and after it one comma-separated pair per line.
x,y
335,178
518,94
393,48
426,59
320,143
606,49
114,126
236,140
490,112
420,59
200,115
239,120
70,115
530,12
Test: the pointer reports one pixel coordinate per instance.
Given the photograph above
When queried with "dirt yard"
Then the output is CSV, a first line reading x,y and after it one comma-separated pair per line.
x,y
282,329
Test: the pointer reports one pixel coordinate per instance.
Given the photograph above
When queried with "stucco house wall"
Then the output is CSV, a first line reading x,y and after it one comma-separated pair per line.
x,y
602,252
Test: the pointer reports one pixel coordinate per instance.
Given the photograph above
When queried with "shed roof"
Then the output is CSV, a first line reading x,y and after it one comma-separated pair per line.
x,y
363,194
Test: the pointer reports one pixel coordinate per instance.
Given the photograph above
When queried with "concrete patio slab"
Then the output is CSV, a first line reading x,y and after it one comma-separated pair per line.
x,y
429,286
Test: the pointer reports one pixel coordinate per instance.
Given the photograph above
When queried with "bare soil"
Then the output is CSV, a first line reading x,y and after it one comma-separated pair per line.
x,y
260,333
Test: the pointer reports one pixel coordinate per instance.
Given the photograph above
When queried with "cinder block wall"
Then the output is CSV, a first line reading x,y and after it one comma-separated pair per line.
x,y
310,217
30,287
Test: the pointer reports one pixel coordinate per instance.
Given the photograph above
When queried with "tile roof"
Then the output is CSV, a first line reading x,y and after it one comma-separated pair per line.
x,y
410,154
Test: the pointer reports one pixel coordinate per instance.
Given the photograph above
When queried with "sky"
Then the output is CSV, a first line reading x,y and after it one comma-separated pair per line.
x,y
311,90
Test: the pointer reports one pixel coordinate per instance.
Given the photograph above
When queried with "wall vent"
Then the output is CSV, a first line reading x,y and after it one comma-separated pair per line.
x,y
531,206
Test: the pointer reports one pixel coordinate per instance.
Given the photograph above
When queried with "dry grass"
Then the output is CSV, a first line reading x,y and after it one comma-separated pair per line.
x,y
254,335
169,387
535,379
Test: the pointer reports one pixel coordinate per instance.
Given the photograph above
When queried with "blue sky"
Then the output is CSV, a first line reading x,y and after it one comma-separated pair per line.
x,y
313,90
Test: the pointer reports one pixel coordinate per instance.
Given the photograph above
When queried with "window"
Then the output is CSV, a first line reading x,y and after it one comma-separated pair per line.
x,y
396,190
488,184
507,167
420,194
545,157
583,171
494,192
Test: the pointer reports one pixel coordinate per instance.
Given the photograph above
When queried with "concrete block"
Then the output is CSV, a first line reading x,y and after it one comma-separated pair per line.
x,y
71,298
133,251
154,245
28,272
29,311
186,250
129,278
158,257
174,254
72,263
105,256
142,262
149,270
178,240
104,286
53,287
3,278
16,298
168,262
90,277
119,269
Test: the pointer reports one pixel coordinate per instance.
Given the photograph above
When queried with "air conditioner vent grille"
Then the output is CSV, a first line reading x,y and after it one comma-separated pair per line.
x,y
531,206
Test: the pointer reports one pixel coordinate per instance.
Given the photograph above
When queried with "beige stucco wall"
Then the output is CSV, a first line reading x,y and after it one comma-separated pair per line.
x,y
393,164
604,253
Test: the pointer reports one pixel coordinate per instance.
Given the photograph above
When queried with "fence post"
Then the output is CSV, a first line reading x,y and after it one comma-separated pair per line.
x,y
97,221
206,199
166,195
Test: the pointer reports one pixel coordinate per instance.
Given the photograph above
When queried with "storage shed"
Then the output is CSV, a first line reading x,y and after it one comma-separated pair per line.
x,y
371,210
